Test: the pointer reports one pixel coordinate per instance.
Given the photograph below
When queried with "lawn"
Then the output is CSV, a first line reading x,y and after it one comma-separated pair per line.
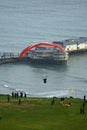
x,y
39,114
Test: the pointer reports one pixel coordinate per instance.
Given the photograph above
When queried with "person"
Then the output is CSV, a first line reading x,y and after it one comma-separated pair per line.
x,y
83,107
19,102
53,101
70,103
84,98
25,95
13,95
17,94
8,98
62,100
21,94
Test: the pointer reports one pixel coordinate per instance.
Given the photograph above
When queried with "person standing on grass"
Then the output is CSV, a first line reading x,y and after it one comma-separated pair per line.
x,y
8,98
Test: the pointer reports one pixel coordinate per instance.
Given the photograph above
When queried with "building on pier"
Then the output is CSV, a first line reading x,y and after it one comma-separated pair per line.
x,y
45,53
74,45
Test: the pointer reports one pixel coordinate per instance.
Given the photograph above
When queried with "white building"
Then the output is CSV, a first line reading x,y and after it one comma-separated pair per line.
x,y
74,45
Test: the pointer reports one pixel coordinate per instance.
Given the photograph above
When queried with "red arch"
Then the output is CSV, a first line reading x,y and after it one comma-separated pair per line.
x,y
40,44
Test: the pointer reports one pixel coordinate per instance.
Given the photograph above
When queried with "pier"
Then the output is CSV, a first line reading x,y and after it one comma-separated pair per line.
x,y
71,46
11,58
14,58
8,58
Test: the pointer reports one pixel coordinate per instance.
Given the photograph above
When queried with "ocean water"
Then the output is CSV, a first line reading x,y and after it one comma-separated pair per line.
x,y
24,22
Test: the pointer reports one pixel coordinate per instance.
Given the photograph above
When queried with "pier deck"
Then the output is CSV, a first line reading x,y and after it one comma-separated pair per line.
x,y
72,46
9,58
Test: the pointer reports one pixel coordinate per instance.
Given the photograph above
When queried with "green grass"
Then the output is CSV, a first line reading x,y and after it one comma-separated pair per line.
x,y
39,114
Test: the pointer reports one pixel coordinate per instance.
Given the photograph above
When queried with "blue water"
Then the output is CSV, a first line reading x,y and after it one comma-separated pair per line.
x,y
23,22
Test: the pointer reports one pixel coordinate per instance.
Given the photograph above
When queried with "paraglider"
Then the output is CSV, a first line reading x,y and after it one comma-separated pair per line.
x,y
40,44
45,79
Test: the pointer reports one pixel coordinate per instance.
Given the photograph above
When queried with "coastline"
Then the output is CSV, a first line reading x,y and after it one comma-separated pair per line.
x,y
41,113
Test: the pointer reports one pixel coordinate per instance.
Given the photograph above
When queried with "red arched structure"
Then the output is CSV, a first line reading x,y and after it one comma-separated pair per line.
x,y
40,44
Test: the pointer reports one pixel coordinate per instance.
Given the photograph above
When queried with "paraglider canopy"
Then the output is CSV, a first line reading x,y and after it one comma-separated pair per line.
x,y
40,44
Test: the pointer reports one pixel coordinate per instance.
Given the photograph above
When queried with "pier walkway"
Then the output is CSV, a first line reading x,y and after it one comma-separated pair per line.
x,y
8,58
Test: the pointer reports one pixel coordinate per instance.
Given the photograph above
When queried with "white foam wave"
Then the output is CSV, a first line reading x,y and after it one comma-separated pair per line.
x,y
59,93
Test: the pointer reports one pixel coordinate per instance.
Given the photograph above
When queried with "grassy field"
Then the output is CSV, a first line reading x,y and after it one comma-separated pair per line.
x,y
39,114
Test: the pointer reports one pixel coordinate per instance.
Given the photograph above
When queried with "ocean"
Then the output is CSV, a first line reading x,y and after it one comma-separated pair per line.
x,y
24,22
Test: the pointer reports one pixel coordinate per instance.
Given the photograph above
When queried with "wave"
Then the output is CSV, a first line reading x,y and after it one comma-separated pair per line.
x,y
71,92
60,93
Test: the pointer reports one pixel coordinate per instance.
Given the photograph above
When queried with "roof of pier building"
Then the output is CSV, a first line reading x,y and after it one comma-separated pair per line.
x,y
72,41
